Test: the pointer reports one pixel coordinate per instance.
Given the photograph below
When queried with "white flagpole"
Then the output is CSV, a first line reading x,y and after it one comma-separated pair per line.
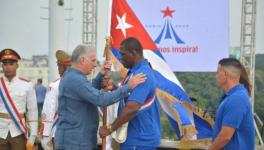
x,y
105,139
56,36
109,17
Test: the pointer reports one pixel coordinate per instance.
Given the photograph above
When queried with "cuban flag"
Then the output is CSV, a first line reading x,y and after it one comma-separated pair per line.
x,y
186,119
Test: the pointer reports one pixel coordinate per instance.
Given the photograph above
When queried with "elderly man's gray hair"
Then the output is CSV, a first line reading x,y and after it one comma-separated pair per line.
x,y
81,50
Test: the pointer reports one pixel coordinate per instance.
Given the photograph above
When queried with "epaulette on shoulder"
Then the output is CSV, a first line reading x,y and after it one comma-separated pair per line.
x,y
56,80
23,79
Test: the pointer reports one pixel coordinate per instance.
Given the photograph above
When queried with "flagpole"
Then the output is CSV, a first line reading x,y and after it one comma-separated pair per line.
x,y
106,55
109,17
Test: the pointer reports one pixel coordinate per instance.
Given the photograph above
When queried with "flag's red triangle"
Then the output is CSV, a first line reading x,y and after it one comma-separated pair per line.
x,y
131,26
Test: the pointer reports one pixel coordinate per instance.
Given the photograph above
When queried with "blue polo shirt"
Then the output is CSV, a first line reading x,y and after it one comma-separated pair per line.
x,y
235,111
144,128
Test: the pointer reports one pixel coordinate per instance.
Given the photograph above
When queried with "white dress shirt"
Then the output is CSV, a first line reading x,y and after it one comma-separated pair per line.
x,y
23,95
50,108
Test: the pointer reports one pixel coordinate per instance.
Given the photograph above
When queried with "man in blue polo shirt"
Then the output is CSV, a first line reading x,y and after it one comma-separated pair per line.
x,y
234,128
139,109
40,94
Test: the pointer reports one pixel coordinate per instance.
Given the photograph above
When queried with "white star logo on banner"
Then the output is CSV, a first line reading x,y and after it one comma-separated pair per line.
x,y
122,25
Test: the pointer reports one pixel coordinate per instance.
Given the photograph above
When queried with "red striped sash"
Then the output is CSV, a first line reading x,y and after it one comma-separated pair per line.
x,y
11,108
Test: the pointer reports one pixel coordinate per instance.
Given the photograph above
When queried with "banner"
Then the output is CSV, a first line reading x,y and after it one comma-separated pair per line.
x,y
192,35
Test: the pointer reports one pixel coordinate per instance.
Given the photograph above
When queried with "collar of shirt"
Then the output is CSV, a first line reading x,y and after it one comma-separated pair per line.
x,y
134,69
231,91
76,70
141,63
234,89
13,80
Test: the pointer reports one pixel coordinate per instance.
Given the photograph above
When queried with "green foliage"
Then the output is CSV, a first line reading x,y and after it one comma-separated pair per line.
x,y
259,86
260,62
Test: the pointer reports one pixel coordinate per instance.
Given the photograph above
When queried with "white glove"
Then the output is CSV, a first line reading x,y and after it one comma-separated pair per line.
x,y
46,143
31,139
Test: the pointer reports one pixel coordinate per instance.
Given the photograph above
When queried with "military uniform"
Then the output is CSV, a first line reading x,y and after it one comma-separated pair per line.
x,y
50,107
23,96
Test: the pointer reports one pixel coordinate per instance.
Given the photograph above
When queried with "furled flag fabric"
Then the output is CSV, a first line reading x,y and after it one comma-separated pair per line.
x,y
187,120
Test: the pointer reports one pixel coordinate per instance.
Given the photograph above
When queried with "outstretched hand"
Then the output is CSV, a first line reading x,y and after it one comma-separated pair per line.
x,y
136,80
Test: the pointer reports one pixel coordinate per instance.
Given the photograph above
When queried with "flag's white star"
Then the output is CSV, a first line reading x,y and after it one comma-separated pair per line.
x,y
122,25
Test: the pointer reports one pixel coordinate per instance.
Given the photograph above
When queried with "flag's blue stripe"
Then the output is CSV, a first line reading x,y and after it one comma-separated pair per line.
x,y
204,129
185,118
170,87
116,53
174,125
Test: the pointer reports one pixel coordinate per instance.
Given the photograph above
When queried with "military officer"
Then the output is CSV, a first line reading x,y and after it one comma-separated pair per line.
x,y
49,112
18,106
